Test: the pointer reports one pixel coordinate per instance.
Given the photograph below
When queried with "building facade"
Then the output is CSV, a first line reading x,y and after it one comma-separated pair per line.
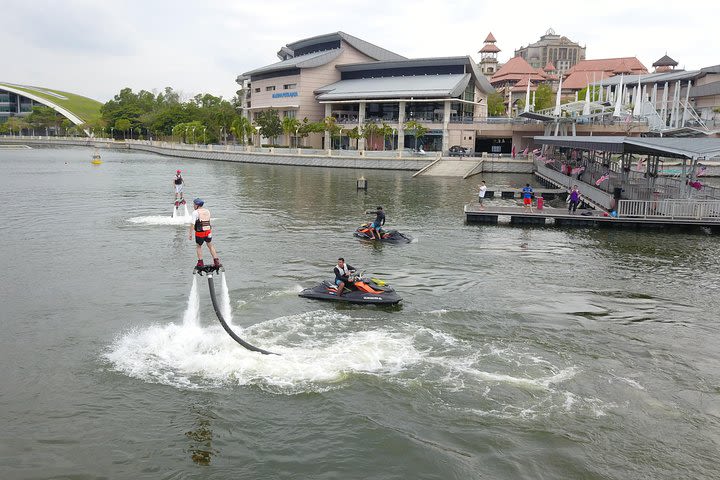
x,y
340,76
12,104
552,48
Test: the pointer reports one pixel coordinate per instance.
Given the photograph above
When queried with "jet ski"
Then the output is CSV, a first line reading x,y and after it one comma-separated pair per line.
x,y
389,236
363,291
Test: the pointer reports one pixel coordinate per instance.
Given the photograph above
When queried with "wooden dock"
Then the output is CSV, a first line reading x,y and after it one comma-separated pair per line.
x,y
560,217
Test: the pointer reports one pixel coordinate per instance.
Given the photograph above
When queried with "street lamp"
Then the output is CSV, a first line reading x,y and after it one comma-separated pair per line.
x,y
258,133
204,137
112,133
297,144
193,134
340,139
187,138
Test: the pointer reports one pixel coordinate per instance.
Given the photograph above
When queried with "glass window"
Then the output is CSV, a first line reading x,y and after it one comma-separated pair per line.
x,y
257,90
270,89
290,86
290,113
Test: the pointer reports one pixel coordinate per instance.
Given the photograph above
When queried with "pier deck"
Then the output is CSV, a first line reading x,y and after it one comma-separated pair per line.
x,y
560,217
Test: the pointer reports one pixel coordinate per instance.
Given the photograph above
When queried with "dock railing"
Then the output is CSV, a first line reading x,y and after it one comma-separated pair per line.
x,y
670,208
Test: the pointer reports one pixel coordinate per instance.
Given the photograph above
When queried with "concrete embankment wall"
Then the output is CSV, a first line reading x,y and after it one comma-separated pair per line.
x,y
347,159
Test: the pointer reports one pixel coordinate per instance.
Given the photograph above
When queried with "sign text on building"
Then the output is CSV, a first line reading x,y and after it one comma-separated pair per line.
x,y
284,94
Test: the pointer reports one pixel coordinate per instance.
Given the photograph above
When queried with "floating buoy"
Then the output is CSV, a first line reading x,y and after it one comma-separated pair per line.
x,y
361,183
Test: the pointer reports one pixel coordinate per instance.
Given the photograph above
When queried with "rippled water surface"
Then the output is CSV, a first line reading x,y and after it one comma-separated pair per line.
x,y
516,353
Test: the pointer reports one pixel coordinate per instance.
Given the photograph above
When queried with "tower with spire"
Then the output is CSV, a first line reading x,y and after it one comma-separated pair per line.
x,y
488,56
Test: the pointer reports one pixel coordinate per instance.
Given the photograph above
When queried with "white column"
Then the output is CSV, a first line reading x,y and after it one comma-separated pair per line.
x,y
361,121
401,126
328,138
446,122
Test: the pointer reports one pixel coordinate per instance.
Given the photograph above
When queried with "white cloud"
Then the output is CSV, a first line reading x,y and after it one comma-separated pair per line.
x,y
97,48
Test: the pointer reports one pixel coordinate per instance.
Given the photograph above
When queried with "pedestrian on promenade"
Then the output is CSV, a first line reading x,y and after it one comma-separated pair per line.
x,y
527,194
481,194
573,199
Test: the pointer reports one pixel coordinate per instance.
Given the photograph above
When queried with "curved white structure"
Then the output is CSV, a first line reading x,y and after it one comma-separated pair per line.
x,y
36,98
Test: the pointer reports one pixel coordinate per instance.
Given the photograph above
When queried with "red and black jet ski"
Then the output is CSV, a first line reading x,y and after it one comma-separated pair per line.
x,y
363,291
389,236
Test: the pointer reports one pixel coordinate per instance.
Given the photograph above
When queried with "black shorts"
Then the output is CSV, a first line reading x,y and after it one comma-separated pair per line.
x,y
200,240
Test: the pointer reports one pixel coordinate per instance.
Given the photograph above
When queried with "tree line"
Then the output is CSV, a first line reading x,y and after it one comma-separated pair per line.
x,y
204,118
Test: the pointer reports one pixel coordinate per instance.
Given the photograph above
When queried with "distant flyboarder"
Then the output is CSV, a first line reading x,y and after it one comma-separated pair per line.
x,y
179,184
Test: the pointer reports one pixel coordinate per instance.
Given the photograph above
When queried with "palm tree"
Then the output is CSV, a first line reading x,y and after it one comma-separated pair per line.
x,y
369,131
290,126
355,134
242,128
417,128
385,130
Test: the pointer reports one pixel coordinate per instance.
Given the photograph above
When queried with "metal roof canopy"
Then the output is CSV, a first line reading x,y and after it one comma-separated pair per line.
x,y
663,147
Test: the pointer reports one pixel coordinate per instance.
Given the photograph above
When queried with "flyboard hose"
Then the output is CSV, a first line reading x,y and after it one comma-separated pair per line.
x,y
216,306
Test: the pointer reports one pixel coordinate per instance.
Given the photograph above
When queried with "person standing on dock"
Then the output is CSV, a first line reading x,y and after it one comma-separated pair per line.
x,y
481,194
573,199
527,194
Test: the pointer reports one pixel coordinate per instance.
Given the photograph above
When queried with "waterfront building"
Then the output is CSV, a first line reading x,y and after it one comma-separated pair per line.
x,y
676,102
19,100
338,75
552,48
513,77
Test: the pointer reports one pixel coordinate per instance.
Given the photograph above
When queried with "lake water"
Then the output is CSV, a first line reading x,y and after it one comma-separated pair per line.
x,y
517,353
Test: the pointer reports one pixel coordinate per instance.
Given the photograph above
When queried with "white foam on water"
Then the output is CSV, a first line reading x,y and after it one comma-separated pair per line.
x,y
191,317
293,290
317,352
160,220
225,307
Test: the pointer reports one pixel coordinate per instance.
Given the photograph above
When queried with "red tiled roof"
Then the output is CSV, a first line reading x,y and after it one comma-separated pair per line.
x,y
490,38
489,48
549,67
632,64
580,80
580,75
516,69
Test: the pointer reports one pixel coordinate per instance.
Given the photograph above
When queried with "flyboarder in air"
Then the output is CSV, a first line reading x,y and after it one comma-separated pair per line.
x,y
179,184
200,226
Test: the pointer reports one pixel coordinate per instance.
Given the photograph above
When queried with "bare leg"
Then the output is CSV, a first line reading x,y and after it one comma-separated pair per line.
x,y
198,250
340,288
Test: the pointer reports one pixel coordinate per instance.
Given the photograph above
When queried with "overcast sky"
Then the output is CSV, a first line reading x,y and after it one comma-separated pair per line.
x,y
95,48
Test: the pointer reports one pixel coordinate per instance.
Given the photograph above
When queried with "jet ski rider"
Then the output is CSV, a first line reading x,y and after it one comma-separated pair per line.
x,y
377,223
179,184
200,226
342,275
